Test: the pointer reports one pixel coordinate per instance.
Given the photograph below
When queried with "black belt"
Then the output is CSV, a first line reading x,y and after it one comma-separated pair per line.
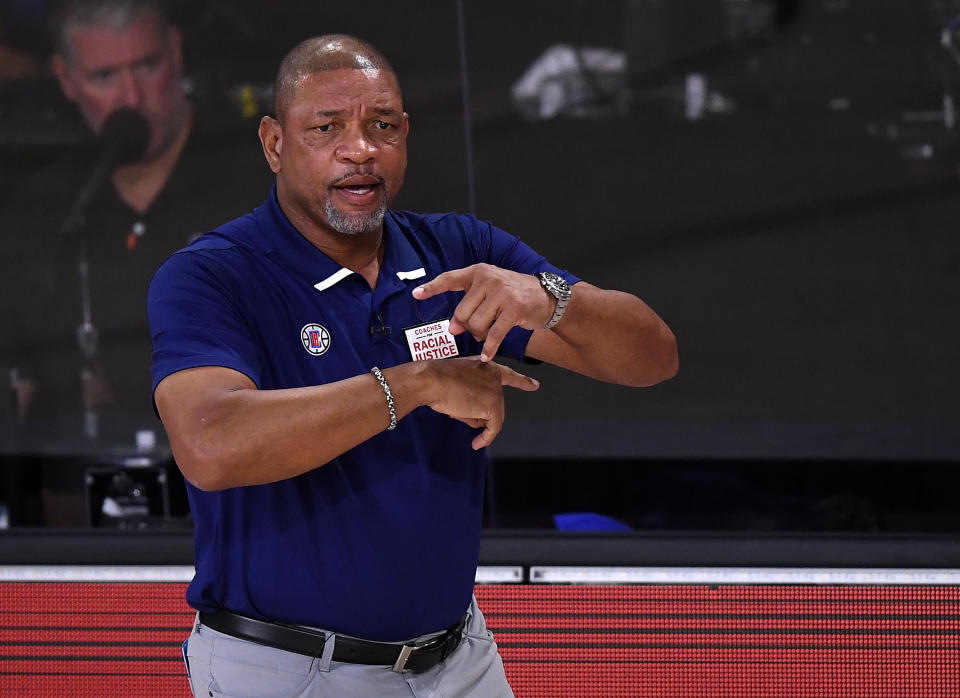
x,y
416,657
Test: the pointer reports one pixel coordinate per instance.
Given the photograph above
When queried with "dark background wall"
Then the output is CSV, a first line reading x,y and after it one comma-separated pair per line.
x,y
798,233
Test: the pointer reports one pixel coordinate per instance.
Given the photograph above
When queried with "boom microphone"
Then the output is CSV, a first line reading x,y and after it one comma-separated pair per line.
x,y
123,138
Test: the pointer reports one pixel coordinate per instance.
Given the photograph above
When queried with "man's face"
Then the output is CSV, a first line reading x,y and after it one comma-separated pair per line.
x,y
343,150
138,66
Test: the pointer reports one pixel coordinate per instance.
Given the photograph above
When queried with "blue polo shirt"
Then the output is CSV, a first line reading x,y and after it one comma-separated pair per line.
x,y
381,542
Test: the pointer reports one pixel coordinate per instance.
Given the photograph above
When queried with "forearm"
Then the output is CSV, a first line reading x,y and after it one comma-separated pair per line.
x,y
611,336
245,436
608,335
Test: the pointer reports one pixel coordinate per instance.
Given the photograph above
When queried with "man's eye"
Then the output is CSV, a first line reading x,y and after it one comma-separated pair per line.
x,y
383,125
149,63
325,127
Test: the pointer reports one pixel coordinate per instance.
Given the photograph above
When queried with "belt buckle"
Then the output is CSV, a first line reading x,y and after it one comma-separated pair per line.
x,y
400,665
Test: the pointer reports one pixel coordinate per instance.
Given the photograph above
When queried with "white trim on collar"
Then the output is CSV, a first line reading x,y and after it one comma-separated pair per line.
x,y
332,279
411,275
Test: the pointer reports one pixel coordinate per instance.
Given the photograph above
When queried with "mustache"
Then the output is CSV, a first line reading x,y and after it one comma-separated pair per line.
x,y
354,173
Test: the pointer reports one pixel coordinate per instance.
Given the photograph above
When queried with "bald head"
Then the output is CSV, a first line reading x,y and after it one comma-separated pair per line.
x,y
319,54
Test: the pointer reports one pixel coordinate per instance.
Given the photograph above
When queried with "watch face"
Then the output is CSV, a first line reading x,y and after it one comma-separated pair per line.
x,y
558,287
554,283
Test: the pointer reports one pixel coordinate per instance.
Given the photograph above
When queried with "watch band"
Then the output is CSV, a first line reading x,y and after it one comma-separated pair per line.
x,y
557,287
558,312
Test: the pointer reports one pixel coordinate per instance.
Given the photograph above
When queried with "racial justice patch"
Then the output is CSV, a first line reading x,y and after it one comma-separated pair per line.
x,y
431,340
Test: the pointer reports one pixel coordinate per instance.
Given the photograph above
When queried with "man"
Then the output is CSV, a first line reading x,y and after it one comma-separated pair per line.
x,y
113,54
109,55
335,461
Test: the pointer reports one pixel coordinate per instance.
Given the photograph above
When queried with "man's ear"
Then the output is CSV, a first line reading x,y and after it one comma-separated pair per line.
x,y
271,138
58,66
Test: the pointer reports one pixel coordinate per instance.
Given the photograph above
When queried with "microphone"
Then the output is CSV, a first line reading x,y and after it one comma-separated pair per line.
x,y
379,329
123,138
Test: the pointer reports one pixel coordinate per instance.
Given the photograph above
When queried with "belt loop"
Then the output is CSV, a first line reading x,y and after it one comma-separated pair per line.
x,y
329,642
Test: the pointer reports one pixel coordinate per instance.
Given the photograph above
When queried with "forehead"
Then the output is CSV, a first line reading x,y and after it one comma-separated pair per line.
x,y
95,46
346,89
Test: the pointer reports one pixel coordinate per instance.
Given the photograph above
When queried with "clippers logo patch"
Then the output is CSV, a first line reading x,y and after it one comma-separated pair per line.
x,y
315,338
431,341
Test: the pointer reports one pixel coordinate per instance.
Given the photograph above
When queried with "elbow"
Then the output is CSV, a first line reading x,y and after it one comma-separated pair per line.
x,y
671,360
198,414
664,361
204,482
202,466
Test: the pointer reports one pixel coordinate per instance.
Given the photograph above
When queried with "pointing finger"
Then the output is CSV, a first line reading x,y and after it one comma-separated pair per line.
x,y
517,380
495,335
464,310
453,280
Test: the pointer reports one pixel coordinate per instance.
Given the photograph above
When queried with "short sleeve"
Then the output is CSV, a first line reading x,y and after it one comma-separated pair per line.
x,y
500,248
195,319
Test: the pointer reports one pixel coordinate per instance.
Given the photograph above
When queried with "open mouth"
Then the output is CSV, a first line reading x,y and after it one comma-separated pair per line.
x,y
359,186
359,190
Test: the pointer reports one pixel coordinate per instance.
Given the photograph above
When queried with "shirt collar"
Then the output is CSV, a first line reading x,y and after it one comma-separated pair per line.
x,y
400,260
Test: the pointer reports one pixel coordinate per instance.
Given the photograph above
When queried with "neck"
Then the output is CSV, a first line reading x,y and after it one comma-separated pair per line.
x,y
139,183
361,253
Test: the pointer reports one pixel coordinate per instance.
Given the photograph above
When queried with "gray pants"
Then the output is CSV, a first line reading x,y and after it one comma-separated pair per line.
x,y
222,665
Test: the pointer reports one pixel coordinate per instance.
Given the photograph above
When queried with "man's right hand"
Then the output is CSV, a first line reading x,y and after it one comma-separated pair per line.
x,y
225,432
471,391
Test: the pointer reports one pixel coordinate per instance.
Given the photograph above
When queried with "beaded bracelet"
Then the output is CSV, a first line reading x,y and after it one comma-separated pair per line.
x,y
386,389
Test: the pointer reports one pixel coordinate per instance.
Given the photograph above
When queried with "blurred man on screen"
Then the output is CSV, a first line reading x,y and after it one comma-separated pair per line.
x,y
109,56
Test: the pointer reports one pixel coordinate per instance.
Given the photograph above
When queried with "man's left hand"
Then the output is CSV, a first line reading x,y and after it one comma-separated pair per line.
x,y
496,300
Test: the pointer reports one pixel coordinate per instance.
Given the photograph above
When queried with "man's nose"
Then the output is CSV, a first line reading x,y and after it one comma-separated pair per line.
x,y
356,147
129,93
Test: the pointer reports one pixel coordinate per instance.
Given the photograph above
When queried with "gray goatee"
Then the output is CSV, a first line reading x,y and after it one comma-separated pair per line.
x,y
356,223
